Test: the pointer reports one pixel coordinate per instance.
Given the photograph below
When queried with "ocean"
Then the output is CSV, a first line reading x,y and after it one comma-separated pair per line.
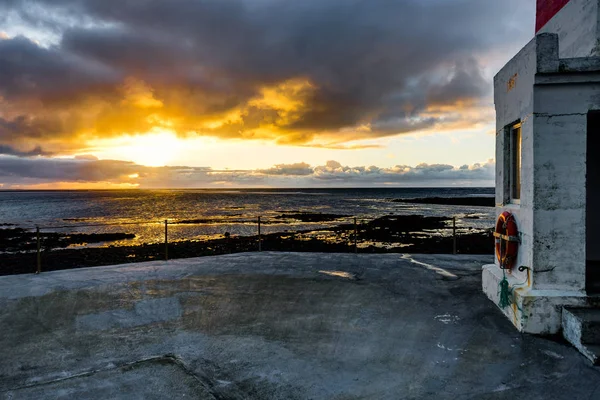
x,y
206,214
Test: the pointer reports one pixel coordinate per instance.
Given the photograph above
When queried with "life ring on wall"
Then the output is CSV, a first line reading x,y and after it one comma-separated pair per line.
x,y
507,240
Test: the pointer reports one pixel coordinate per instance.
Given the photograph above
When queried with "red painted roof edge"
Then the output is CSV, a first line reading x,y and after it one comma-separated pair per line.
x,y
546,10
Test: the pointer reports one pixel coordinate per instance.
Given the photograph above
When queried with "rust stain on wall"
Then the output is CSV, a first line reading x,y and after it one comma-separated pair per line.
x,y
512,82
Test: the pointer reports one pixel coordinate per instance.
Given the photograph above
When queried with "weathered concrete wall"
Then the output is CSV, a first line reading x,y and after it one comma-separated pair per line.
x,y
559,152
513,87
514,100
513,97
578,27
552,98
532,311
553,109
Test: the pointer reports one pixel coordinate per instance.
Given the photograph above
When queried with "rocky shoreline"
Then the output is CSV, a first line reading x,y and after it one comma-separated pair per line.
x,y
18,239
389,234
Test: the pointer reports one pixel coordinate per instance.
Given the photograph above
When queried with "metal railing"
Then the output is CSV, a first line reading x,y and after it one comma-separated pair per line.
x,y
353,241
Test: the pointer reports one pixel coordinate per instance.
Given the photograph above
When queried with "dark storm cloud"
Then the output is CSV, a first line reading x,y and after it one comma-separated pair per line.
x,y
68,170
36,151
466,83
377,62
30,71
29,126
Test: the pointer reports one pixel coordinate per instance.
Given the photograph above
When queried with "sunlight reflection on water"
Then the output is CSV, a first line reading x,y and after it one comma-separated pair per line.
x,y
142,212
339,274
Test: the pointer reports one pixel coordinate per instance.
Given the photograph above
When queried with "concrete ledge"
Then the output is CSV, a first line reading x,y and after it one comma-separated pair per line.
x,y
585,64
547,52
533,311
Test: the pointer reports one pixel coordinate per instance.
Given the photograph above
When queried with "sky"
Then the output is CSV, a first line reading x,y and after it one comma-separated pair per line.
x,y
252,93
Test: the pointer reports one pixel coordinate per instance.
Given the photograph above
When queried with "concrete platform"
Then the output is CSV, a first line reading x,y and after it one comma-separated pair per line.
x,y
275,326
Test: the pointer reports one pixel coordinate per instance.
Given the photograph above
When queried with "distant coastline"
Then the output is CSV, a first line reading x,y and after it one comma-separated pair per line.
x,y
452,201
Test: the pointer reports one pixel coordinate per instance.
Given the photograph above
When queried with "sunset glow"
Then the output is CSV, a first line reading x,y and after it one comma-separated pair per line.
x,y
114,84
155,149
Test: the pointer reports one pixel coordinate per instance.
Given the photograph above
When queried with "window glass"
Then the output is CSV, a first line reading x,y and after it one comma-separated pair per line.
x,y
515,163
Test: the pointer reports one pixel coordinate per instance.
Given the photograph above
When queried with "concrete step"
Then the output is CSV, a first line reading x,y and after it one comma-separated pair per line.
x,y
581,328
589,319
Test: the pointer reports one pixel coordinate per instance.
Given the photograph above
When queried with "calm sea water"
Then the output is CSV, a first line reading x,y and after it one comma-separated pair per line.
x,y
235,211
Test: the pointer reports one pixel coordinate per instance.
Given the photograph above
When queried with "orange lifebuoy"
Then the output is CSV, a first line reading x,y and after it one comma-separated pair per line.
x,y
507,240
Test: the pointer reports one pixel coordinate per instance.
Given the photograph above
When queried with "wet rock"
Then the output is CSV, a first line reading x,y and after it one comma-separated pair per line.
x,y
18,239
312,217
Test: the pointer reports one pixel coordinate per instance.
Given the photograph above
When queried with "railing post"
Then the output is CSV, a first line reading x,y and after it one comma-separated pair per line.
x,y
355,236
166,240
39,247
453,235
259,240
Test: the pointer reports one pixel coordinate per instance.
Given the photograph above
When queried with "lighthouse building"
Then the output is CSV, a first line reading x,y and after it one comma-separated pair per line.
x,y
547,102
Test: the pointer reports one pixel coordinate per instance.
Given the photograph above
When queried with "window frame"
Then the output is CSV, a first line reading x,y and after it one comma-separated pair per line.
x,y
514,162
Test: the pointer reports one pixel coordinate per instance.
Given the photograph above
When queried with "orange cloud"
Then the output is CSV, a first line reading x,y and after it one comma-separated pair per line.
x,y
103,82
462,114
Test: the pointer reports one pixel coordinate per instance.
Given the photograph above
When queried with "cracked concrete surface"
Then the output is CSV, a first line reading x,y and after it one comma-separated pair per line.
x,y
275,326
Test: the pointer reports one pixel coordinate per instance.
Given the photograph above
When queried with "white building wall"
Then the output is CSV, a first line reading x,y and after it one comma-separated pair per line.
x,y
514,100
578,28
551,98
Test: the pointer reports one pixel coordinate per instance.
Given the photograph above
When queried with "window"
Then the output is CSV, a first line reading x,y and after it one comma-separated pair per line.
x,y
514,163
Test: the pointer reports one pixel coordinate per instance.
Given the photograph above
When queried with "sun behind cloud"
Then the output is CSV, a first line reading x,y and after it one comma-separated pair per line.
x,y
156,149
246,85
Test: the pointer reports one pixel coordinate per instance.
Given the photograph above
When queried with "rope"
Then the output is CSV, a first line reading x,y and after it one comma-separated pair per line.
x,y
505,292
